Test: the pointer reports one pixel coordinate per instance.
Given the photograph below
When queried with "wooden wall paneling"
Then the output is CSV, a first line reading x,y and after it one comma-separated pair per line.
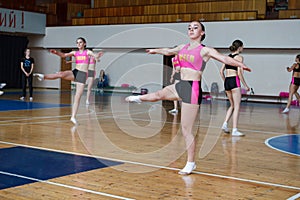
x,y
73,9
294,4
261,7
289,14
51,20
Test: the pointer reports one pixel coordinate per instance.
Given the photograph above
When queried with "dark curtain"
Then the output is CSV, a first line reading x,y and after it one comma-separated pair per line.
x,y
11,51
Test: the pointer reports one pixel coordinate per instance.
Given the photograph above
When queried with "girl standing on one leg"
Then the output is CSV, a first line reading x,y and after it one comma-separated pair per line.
x,y
295,68
233,87
192,58
79,74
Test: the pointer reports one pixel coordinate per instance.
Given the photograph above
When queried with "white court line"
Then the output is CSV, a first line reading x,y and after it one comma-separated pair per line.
x,y
162,167
297,196
65,186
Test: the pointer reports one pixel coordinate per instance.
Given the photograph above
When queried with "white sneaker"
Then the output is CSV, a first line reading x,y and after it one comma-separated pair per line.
x,y
225,129
30,99
285,111
87,102
2,85
73,120
1,92
40,77
174,111
237,134
135,99
189,167
22,98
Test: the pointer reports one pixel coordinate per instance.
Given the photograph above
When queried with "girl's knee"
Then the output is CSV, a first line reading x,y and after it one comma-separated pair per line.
x,y
60,74
158,95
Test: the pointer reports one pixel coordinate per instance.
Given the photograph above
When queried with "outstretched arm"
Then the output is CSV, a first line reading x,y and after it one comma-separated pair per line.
x,y
165,51
208,52
96,55
289,69
61,54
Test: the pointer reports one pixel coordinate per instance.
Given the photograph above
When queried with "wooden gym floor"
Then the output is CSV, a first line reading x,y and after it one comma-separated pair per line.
x,y
134,151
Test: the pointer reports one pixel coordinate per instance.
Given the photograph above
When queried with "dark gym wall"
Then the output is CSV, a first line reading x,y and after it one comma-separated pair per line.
x,y
11,51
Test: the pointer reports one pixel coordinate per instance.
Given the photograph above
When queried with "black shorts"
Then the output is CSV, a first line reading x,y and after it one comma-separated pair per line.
x,y
232,82
79,76
296,81
189,91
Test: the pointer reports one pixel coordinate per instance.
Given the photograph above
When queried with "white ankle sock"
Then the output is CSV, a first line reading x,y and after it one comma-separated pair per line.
x,y
74,121
135,99
189,167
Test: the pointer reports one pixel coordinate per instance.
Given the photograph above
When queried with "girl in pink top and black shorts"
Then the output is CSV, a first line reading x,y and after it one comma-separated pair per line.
x,y
78,75
192,58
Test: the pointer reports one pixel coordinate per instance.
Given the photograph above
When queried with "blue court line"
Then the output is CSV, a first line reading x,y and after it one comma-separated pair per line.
x,y
289,143
10,105
43,165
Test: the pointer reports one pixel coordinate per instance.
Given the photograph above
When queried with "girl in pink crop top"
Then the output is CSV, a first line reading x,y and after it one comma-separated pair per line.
x,y
192,56
79,74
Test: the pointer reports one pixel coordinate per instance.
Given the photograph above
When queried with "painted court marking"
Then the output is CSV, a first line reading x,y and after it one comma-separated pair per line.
x,y
281,145
66,186
163,167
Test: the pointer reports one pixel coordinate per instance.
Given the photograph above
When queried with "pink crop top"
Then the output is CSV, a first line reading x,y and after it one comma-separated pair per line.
x,y
82,58
191,58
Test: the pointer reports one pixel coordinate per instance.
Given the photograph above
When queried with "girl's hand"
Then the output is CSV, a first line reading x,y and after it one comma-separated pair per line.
x,y
100,54
246,68
150,51
53,51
